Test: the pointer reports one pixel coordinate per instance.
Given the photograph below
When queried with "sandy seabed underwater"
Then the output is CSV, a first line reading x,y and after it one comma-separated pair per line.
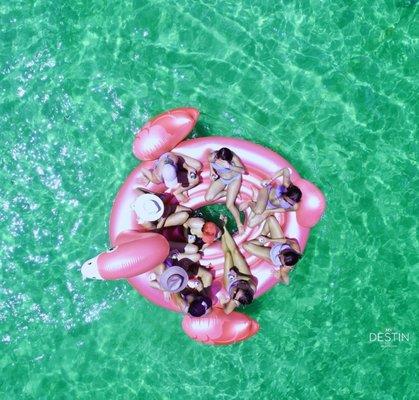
x,y
330,85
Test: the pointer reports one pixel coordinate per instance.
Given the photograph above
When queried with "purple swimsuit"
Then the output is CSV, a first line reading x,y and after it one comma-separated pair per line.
x,y
275,251
279,192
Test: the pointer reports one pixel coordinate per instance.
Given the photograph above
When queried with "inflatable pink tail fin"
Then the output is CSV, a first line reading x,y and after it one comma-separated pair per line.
x,y
219,328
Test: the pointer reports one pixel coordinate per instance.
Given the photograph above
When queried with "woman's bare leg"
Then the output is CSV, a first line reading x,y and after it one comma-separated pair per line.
x,y
238,259
274,229
233,190
264,233
182,208
178,218
257,250
265,229
214,189
262,200
220,195
255,220
224,245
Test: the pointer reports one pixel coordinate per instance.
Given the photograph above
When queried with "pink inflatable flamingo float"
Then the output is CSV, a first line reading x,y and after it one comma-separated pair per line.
x,y
137,252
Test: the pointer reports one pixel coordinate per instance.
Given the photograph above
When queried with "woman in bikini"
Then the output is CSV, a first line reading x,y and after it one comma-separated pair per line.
x,y
179,173
186,283
160,212
226,174
272,198
282,252
239,282
200,232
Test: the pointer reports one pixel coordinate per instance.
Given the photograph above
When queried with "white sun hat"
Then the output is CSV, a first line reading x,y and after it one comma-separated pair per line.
x,y
148,207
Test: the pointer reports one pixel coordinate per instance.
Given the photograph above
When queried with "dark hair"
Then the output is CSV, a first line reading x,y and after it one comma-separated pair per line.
x,y
294,193
225,154
197,308
246,296
291,257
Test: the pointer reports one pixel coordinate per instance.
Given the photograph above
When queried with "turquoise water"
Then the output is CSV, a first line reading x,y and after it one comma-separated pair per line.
x,y
332,86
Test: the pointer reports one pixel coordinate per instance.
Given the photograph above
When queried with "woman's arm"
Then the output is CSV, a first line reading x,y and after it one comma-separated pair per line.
x,y
229,307
280,209
294,244
272,211
213,173
284,172
180,302
264,239
160,222
236,165
189,163
146,176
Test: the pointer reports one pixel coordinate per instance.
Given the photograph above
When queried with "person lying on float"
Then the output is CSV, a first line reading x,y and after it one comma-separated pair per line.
x,y
273,197
201,232
238,280
155,210
185,282
168,170
226,170
189,250
282,252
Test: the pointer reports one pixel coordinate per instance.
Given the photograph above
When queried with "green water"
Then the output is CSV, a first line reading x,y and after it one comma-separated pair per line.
x,y
330,85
